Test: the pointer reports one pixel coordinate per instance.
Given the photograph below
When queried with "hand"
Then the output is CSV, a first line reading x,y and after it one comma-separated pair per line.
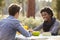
x,y
30,30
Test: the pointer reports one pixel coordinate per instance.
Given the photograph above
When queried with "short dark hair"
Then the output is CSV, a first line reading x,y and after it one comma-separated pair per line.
x,y
48,10
13,9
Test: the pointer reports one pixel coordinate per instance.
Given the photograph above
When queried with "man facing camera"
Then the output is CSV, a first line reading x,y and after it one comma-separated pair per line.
x,y
10,25
50,24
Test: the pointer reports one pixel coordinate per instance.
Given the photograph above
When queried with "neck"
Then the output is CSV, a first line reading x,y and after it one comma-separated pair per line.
x,y
49,21
15,17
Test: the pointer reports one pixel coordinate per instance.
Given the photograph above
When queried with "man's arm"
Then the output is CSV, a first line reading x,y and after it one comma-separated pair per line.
x,y
22,30
54,30
38,27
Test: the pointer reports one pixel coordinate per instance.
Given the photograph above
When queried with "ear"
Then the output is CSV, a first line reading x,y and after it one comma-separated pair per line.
x,y
17,13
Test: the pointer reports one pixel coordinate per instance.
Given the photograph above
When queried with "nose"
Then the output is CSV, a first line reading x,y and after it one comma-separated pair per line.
x,y
43,17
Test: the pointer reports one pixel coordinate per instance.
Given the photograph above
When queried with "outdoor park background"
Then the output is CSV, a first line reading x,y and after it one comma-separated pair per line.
x,y
30,14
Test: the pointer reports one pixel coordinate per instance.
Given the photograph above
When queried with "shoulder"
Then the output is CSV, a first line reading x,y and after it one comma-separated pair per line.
x,y
13,20
57,22
10,21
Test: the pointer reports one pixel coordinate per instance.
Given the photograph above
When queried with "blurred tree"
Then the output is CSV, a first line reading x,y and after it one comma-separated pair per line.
x,y
22,5
53,5
2,3
58,8
31,8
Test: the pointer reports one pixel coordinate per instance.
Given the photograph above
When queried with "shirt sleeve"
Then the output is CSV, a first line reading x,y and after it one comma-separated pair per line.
x,y
38,27
54,30
22,30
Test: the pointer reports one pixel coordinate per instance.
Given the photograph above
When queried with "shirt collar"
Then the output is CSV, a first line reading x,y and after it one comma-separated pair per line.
x,y
11,17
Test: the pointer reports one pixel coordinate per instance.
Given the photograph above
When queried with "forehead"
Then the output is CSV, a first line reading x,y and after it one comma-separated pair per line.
x,y
44,13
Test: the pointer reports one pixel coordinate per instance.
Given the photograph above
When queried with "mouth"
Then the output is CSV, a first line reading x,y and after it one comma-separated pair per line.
x,y
45,19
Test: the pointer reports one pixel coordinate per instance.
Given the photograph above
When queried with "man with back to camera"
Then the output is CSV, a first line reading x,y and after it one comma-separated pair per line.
x,y
10,25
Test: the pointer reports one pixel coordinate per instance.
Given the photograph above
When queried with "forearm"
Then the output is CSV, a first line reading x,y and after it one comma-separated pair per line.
x,y
38,28
22,30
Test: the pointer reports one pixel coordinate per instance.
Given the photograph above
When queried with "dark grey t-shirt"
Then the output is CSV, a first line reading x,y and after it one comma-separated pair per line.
x,y
54,29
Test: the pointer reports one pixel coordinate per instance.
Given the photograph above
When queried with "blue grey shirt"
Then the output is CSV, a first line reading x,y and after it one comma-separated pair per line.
x,y
8,28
